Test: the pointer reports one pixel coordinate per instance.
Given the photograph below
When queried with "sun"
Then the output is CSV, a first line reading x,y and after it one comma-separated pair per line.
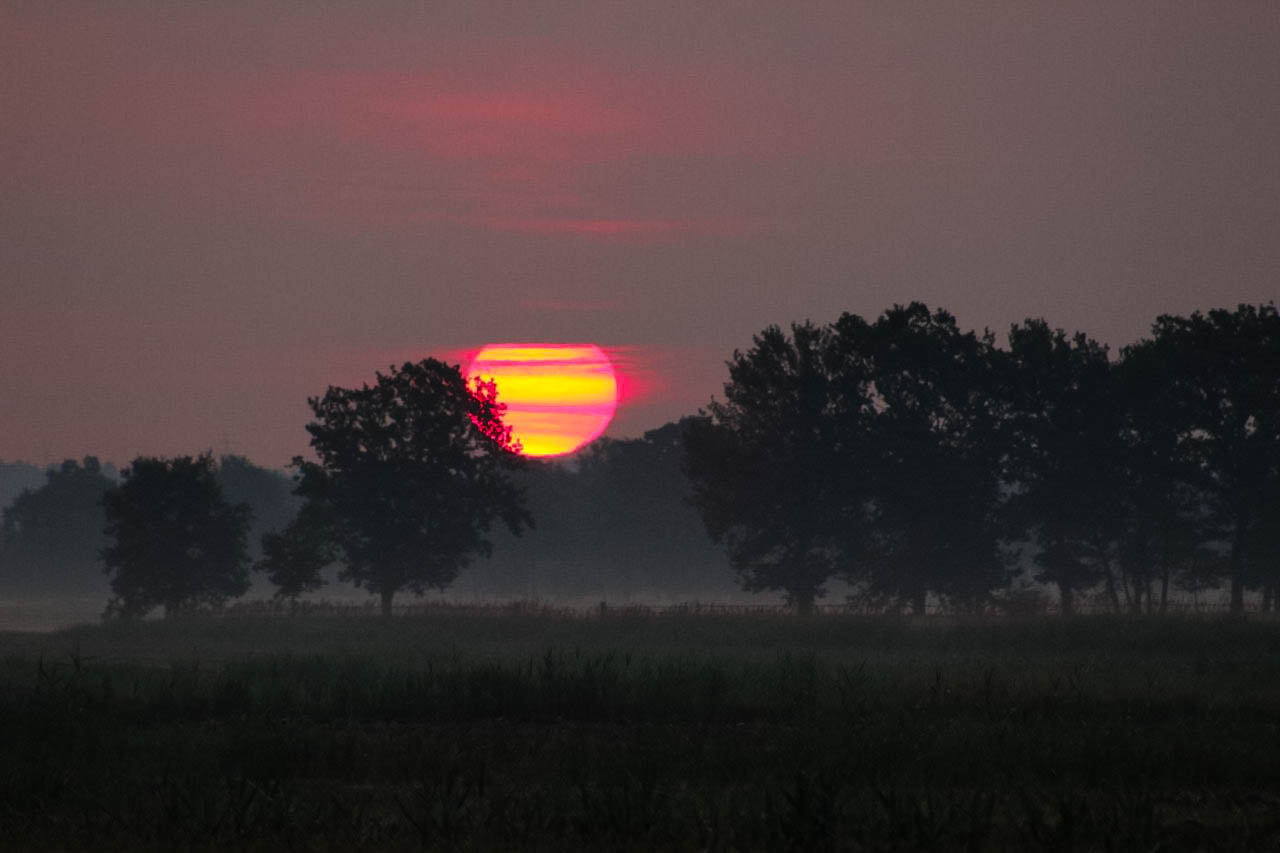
x,y
558,396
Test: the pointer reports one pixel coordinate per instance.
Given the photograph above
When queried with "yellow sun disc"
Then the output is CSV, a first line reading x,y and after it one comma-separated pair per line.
x,y
558,396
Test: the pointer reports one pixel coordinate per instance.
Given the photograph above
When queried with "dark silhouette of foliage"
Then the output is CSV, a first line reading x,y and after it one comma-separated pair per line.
x,y
898,456
768,478
51,536
933,458
413,471
176,541
1166,532
293,558
1221,389
1065,456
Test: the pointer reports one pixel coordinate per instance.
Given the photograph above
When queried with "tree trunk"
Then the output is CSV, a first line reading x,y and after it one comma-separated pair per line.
x,y
1164,589
803,602
1268,597
1237,567
1067,599
1109,574
920,601
1111,586
386,602
1237,593
1135,603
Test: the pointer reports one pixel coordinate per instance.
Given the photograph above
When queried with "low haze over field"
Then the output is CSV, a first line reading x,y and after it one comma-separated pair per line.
x,y
209,213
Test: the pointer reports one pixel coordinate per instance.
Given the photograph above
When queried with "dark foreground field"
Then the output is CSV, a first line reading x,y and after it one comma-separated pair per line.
x,y
514,730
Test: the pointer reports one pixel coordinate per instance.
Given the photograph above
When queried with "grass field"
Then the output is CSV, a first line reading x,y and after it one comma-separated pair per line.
x,y
511,728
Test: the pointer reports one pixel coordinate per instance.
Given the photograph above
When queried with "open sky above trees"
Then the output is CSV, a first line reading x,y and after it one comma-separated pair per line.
x,y
209,213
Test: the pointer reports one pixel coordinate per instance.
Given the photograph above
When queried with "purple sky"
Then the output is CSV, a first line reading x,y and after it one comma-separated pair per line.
x,y
209,211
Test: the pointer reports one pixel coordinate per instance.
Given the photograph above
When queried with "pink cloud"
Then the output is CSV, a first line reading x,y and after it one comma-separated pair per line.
x,y
599,227
525,139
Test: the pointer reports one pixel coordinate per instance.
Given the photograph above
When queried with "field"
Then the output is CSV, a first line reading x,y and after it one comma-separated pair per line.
x,y
514,728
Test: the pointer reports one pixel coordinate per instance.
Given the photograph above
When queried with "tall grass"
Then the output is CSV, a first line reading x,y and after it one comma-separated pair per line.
x,y
641,731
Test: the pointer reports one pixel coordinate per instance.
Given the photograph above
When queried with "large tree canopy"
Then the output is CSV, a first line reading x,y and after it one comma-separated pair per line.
x,y
412,472
864,451
175,540
1220,387
933,455
765,465
1065,455
1164,519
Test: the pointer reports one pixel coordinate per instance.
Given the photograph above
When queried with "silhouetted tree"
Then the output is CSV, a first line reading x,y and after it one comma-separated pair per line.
x,y
1065,456
51,537
293,558
934,459
765,467
413,471
1222,386
175,540
1164,527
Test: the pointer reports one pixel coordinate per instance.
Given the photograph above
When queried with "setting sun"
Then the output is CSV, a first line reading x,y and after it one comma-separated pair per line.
x,y
558,396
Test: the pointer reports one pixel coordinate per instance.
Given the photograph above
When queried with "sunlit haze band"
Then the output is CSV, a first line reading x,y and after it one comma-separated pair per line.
x,y
559,397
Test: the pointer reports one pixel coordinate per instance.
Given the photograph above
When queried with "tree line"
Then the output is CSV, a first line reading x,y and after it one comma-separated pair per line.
x,y
52,532
902,457
611,523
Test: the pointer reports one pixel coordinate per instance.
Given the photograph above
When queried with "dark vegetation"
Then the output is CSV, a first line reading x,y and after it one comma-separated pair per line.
x,y
910,464
509,728
53,532
613,526
175,540
904,457
413,471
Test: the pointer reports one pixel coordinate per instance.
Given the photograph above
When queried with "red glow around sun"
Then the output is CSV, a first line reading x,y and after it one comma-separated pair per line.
x,y
559,397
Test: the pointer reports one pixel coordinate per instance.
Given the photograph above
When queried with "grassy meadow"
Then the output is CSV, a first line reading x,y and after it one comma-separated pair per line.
x,y
517,728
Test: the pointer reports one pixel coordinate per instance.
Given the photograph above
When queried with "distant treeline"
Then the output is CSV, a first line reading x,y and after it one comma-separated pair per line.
x,y
904,455
52,534
615,523
904,461
612,523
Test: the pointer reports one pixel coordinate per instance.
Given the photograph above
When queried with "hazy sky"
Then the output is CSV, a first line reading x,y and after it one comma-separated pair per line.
x,y
209,211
